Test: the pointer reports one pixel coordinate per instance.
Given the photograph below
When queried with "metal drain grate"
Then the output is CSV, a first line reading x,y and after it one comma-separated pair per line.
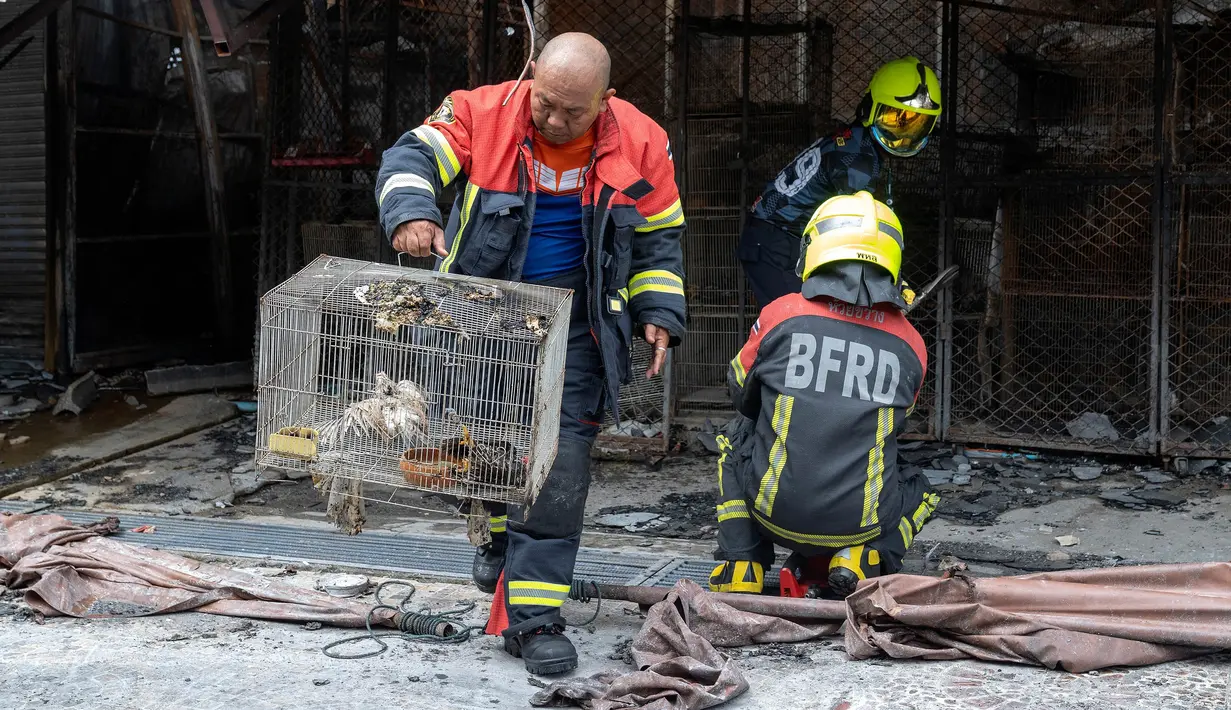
x,y
699,572
376,550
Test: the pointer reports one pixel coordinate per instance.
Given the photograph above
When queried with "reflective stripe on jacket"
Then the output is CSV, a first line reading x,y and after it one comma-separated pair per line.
x,y
632,216
829,386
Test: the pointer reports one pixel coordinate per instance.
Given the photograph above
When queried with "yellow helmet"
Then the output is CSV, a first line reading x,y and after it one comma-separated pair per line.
x,y
902,106
854,227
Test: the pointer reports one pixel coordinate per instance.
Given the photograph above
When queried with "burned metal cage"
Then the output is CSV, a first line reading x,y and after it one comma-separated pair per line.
x,y
1083,194
412,379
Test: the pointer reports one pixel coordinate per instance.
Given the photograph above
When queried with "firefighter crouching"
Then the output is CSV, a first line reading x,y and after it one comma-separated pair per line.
x,y
824,384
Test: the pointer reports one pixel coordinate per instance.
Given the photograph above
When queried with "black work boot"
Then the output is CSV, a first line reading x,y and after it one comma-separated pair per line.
x,y
842,582
545,650
850,565
488,564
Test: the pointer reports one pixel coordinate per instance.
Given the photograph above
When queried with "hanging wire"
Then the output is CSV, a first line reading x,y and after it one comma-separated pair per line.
x,y
420,625
525,8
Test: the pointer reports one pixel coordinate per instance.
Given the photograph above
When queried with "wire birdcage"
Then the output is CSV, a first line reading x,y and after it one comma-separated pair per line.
x,y
412,379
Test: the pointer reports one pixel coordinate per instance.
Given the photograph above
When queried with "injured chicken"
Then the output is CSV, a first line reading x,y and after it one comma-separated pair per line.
x,y
396,413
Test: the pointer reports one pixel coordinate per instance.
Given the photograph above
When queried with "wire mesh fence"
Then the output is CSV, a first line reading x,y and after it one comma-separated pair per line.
x,y
1053,339
1078,179
1198,400
1055,348
756,78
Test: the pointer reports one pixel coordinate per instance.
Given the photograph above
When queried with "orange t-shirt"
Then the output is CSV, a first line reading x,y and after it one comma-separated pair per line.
x,y
559,168
557,244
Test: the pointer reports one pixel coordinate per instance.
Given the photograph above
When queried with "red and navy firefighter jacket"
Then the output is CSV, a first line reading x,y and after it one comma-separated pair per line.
x,y
632,218
829,386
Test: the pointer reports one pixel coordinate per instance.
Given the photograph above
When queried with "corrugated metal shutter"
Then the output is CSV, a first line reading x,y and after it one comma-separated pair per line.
x,y
23,192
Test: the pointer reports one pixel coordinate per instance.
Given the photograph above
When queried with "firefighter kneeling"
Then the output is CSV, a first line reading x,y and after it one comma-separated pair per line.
x,y
824,384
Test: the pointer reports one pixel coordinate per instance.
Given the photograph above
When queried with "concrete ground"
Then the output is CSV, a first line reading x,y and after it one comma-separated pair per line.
x,y
1004,521
201,662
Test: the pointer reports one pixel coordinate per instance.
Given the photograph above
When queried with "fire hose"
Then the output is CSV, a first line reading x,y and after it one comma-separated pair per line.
x,y
782,607
942,280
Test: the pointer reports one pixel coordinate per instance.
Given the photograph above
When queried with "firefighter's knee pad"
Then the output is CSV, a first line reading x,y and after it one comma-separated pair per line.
x,y
738,576
861,560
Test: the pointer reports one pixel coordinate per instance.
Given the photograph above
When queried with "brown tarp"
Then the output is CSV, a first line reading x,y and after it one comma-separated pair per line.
x,y
1080,620
1077,621
73,571
675,652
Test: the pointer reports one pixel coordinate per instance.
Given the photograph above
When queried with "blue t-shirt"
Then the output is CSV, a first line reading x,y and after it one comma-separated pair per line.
x,y
557,243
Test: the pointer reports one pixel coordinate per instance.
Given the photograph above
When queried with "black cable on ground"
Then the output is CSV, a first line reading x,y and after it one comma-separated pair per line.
x,y
578,593
418,625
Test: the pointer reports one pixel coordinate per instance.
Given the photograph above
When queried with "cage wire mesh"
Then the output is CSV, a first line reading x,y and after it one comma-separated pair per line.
x,y
1052,337
755,92
412,379
1196,399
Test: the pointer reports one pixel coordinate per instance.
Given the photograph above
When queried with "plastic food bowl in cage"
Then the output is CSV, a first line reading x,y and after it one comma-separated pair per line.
x,y
430,467
294,442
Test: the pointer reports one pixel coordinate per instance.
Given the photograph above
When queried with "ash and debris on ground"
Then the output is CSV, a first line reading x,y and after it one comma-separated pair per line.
x,y
796,652
977,487
12,605
25,389
623,651
687,516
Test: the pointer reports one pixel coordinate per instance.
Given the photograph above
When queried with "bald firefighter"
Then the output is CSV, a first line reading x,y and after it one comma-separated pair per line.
x,y
894,119
559,183
824,384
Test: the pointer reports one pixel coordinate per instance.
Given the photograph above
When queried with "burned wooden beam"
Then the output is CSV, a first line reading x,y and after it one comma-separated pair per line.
x,y
33,15
196,83
229,40
16,50
217,27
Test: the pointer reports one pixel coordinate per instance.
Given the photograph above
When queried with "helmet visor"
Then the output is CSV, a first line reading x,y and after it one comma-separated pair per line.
x,y
902,131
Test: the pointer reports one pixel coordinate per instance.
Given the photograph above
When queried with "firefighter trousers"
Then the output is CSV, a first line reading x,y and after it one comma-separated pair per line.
x,y
744,534
540,543
769,255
